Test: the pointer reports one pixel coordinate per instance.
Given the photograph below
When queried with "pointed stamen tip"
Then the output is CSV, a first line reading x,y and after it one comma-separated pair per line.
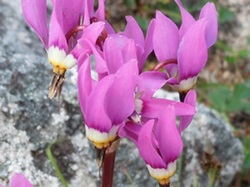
x,y
164,184
100,155
56,85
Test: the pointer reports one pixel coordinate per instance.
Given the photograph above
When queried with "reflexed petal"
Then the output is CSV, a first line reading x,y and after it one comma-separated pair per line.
x,y
90,33
118,49
169,139
130,130
147,148
166,38
35,13
100,12
192,53
56,35
68,13
172,81
96,108
148,44
152,108
172,69
90,48
88,8
129,51
19,180
84,83
150,81
112,54
110,30
187,19
133,31
209,12
120,96
186,120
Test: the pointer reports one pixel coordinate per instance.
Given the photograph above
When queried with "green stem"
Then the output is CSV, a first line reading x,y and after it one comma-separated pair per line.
x,y
55,165
212,176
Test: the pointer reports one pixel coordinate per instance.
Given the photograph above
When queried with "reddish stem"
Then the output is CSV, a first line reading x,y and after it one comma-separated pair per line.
x,y
166,185
74,31
164,63
108,169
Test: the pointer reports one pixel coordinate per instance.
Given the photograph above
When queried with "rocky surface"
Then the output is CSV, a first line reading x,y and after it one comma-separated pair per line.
x,y
239,34
29,122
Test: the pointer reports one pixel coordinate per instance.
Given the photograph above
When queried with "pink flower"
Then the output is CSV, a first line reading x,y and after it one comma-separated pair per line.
x,y
66,22
159,143
106,104
184,51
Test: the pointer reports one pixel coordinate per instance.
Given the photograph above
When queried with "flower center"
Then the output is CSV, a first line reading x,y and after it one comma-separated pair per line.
x,y
101,140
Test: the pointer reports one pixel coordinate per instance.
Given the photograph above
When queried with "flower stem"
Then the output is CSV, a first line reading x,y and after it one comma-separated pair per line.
x,y
165,185
108,169
164,63
182,96
109,164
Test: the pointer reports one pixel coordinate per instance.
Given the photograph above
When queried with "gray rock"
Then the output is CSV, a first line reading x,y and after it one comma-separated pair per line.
x,y
29,122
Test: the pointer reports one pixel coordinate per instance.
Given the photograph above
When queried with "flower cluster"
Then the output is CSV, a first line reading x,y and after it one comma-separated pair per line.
x,y
115,94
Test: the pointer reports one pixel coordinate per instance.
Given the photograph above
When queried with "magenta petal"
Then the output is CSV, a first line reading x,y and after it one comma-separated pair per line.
x,y
35,13
166,38
130,130
129,51
96,108
118,50
209,12
112,52
168,136
120,96
68,13
187,19
148,44
147,148
90,33
100,12
87,11
151,81
186,120
133,31
19,180
192,53
100,65
56,35
84,83
152,108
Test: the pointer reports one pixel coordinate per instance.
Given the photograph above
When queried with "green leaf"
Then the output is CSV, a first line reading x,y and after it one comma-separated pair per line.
x,y
222,45
244,53
142,22
225,15
130,3
219,98
231,59
246,162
